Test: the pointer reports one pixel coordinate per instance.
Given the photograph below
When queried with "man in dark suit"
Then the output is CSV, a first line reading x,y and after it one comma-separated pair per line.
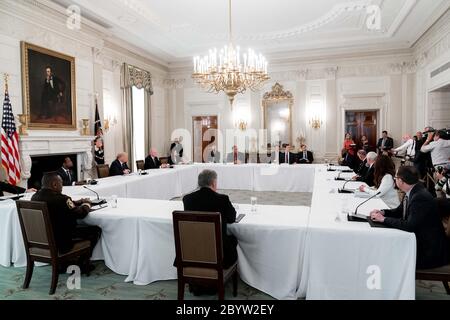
x,y
305,156
152,160
418,214
52,96
64,213
239,156
66,172
385,144
369,176
207,199
119,167
287,156
361,169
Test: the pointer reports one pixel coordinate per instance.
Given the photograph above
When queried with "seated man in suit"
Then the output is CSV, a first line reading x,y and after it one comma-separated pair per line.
x,y
418,214
369,176
207,199
239,156
287,157
119,167
361,169
305,156
152,160
385,144
66,173
7,187
64,213
213,156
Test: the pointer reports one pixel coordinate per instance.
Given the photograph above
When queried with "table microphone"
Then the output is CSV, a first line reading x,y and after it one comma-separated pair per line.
x,y
343,187
98,201
356,210
338,178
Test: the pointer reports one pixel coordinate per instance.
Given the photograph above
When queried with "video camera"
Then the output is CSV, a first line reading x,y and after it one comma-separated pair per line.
x,y
443,133
445,171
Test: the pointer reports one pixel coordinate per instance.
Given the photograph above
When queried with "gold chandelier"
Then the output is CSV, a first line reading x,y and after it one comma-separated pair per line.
x,y
224,70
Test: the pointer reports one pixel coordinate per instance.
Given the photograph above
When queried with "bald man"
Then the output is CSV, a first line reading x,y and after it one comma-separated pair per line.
x,y
119,167
152,161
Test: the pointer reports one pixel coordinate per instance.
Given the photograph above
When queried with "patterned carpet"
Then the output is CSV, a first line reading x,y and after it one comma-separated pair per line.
x,y
103,284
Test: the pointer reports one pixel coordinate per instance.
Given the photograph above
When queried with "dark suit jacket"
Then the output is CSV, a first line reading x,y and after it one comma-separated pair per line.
x,y
369,176
423,219
152,164
309,156
387,146
6,187
292,157
63,215
362,168
207,200
67,181
116,169
214,157
240,156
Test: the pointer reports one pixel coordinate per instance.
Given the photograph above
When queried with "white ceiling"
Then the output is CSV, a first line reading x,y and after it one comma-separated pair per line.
x,y
175,30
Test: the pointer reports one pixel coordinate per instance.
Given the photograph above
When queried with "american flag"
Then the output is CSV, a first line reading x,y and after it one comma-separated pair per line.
x,y
10,143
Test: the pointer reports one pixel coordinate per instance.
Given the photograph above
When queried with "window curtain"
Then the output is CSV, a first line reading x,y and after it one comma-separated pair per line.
x,y
132,76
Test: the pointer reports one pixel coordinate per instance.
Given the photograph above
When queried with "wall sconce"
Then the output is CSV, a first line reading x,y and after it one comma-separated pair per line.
x,y
109,122
241,125
315,122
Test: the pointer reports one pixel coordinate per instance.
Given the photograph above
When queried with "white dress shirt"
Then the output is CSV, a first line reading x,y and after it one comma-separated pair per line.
x,y
409,147
440,151
387,192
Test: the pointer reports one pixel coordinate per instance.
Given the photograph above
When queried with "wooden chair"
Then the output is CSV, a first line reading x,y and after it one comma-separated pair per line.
x,y
164,160
103,170
40,243
199,252
140,164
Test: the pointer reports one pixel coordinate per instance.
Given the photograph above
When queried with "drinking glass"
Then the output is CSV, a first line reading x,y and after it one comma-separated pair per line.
x,y
114,201
254,203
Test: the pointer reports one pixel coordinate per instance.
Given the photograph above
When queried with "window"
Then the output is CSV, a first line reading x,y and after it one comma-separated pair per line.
x,y
138,125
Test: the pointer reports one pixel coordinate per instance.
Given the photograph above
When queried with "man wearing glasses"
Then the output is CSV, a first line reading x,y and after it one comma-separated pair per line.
x,y
418,214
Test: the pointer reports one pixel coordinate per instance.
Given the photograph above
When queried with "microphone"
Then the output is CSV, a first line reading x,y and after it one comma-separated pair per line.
x,y
98,201
343,187
338,178
355,214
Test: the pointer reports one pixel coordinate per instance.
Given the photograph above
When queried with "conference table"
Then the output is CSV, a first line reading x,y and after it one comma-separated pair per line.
x,y
286,252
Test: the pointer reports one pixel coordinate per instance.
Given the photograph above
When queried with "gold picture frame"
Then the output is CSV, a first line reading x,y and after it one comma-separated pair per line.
x,y
49,88
275,99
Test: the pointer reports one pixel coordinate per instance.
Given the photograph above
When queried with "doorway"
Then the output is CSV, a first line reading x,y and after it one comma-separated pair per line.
x,y
359,123
204,130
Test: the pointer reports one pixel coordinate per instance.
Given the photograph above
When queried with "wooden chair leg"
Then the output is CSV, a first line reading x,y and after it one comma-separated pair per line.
x,y
180,290
446,286
29,274
55,276
235,283
221,291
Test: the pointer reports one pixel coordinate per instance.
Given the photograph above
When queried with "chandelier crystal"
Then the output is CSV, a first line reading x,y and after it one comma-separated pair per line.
x,y
229,71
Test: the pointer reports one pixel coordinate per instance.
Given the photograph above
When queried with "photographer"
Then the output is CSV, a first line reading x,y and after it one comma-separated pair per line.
x,y
407,149
442,177
439,148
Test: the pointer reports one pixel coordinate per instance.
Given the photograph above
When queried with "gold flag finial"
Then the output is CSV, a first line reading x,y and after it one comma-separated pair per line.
x,y
6,77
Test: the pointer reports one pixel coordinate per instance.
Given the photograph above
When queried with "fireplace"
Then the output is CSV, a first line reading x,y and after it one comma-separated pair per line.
x,y
40,154
42,164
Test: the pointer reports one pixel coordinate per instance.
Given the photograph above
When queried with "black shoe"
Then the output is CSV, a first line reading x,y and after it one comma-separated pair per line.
x,y
202,291
87,269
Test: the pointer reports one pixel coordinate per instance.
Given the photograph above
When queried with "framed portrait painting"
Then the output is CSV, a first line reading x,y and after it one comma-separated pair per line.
x,y
48,88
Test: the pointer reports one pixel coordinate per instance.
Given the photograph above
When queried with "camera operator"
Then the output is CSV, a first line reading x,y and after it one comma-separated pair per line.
x,y
422,161
439,148
442,177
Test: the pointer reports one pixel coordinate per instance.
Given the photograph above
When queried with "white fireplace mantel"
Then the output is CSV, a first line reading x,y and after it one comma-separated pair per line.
x,y
31,146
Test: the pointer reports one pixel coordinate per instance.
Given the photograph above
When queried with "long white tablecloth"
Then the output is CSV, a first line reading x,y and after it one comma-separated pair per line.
x,y
137,241
284,252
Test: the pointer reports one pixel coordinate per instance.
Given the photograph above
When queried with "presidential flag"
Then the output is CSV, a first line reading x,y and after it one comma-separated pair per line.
x,y
10,143
98,124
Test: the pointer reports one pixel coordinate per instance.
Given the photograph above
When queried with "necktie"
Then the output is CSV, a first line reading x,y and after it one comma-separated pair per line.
x,y
304,155
287,157
405,207
70,177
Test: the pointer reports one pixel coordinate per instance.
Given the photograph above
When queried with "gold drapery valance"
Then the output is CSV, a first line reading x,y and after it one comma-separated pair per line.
x,y
135,77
